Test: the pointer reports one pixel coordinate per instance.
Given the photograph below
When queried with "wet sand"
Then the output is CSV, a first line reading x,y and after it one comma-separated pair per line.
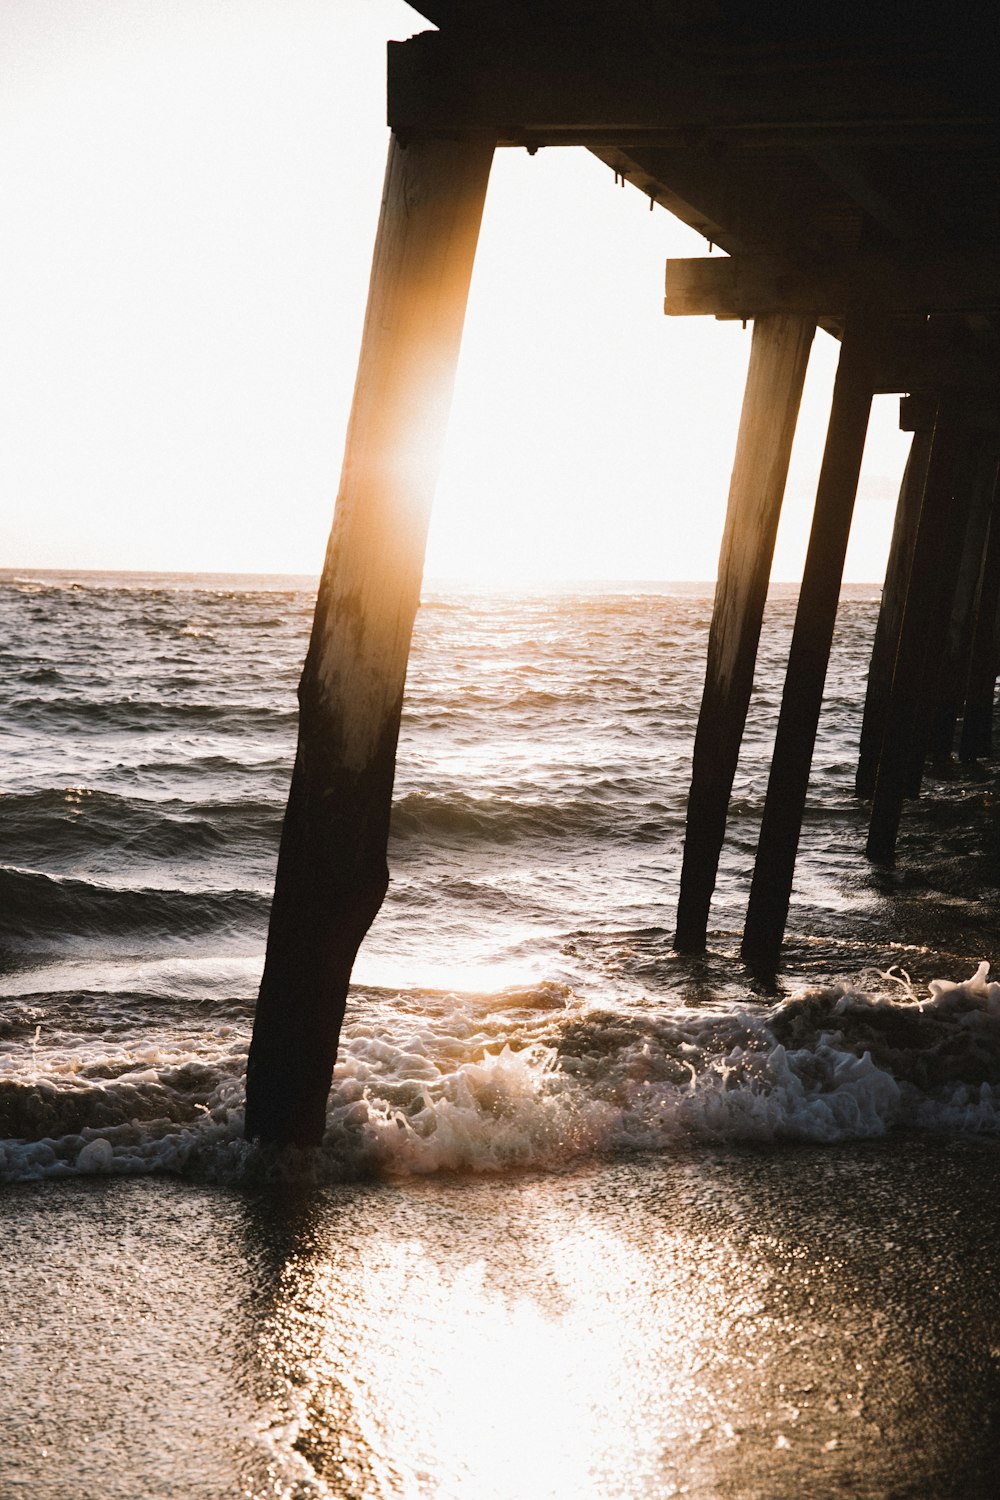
x,y
737,1323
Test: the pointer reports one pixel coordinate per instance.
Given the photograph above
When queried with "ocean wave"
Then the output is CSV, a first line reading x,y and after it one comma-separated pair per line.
x,y
41,912
613,809
58,824
541,1083
99,715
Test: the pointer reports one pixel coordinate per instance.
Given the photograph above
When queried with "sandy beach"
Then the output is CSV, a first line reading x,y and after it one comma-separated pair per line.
x,y
740,1323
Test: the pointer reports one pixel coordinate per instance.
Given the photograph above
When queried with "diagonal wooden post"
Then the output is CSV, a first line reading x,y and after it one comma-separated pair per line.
x,y
779,355
332,872
890,613
915,642
951,669
977,720
812,635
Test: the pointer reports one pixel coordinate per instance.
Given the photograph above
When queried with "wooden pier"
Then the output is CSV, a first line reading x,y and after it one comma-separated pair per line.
x,y
845,158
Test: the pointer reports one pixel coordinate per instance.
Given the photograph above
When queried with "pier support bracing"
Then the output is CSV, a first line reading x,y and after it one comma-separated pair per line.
x,y
332,872
809,653
778,359
916,643
897,574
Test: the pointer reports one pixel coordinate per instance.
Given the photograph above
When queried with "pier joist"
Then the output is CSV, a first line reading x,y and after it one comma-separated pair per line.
x,y
746,286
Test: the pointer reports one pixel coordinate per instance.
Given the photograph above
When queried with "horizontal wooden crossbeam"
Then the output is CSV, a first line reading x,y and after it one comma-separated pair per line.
x,y
749,286
521,91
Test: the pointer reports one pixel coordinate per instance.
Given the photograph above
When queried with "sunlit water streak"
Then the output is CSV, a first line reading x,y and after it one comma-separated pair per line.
x,y
518,1013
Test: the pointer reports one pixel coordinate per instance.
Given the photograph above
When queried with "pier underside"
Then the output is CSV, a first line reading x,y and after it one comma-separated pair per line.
x,y
845,160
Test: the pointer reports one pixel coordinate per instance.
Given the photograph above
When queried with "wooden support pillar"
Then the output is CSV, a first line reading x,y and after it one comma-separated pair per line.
x,y
809,654
977,722
779,355
890,613
915,639
332,872
952,667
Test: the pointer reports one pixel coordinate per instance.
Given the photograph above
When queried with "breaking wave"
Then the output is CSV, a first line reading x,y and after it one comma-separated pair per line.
x,y
525,1080
39,913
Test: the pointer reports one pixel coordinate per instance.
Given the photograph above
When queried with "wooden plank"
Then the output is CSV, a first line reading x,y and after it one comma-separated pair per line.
x,y
332,872
977,722
809,654
778,359
915,640
746,286
890,613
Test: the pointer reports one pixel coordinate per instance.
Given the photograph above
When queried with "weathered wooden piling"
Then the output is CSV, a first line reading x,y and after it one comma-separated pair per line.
x,y
835,177
332,873
951,670
976,739
915,639
897,575
778,359
812,635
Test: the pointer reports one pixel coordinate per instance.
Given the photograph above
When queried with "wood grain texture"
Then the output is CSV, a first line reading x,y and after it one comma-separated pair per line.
x,y
332,872
746,286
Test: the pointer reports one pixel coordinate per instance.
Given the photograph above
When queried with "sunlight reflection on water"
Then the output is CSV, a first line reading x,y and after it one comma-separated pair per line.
x,y
724,1325
641,1331
504,1390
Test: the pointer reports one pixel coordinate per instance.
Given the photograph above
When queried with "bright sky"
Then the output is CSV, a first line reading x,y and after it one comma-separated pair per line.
x,y
190,192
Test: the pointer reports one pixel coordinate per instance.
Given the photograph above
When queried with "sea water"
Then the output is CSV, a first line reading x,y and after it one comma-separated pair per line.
x,y
519,1029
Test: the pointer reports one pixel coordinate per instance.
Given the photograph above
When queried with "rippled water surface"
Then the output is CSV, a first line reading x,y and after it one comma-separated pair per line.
x,y
517,1010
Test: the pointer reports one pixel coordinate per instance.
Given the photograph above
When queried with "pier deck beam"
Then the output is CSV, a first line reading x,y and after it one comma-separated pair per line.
x,y
332,872
895,770
890,613
778,358
812,636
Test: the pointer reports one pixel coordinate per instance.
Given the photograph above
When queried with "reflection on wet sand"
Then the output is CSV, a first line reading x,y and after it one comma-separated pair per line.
x,y
723,1325
754,1324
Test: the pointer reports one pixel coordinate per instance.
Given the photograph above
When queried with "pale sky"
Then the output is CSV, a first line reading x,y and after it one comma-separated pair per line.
x,y
190,193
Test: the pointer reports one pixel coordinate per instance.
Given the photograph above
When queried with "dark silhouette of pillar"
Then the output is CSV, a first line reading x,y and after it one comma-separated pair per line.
x,y
890,614
812,636
916,643
977,722
778,358
949,679
332,872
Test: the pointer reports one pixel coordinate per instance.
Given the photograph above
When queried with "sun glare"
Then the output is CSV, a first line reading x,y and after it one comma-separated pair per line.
x,y
503,1387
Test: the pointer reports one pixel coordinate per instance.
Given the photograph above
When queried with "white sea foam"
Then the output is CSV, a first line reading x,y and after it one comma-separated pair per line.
x,y
468,1086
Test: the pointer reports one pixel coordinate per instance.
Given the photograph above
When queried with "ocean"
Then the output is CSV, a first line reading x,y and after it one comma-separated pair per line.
x,y
590,1219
